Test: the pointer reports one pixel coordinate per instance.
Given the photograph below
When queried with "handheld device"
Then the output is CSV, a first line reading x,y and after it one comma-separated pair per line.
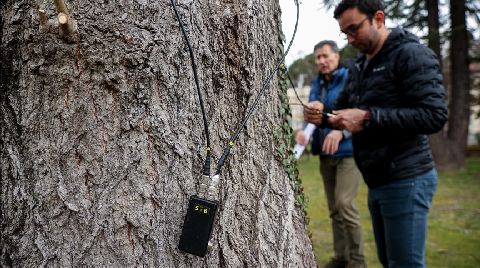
x,y
328,114
197,226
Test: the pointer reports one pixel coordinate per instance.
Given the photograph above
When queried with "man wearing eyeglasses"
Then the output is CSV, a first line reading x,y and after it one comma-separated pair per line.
x,y
393,99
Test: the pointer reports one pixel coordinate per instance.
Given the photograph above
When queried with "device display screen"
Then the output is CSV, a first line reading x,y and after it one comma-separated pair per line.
x,y
197,208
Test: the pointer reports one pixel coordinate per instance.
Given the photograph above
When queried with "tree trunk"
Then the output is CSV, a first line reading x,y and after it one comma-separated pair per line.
x,y
102,139
433,28
460,108
450,148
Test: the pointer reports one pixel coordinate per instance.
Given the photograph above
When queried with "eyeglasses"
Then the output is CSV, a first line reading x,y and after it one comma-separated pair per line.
x,y
352,30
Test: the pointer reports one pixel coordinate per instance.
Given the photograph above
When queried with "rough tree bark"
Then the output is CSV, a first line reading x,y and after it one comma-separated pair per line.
x,y
102,140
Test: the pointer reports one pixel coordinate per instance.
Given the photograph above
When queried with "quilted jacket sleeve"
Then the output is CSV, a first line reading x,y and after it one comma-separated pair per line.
x,y
423,109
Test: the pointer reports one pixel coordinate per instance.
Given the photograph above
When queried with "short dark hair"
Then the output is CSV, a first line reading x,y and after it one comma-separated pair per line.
x,y
368,7
329,43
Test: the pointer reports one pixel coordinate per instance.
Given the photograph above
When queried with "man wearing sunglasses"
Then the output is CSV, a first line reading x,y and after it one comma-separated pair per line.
x,y
394,98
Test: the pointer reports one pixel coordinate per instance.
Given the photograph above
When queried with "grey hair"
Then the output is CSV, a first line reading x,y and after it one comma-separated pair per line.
x,y
330,43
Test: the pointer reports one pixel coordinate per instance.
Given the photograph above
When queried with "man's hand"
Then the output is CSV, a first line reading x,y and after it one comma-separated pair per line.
x,y
300,138
349,119
332,140
313,112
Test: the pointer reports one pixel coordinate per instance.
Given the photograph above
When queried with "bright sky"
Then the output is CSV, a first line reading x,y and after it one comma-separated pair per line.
x,y
314,24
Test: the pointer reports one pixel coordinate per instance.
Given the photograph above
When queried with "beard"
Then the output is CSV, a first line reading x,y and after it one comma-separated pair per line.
x,y
365,48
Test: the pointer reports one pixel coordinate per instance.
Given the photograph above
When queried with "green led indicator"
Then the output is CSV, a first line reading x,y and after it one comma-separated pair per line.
x,y
200,209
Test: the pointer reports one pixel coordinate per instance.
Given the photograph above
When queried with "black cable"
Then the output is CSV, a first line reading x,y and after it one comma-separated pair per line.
x,y
206,165
231,142
296,94
295,90
301,103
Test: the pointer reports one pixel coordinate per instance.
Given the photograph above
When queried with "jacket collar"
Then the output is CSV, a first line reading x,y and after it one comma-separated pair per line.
x,y
336,76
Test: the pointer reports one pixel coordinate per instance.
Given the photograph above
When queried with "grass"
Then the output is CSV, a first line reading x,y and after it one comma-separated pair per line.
x,y
454,220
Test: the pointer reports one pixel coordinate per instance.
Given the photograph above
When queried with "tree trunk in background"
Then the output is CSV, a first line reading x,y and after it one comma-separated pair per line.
x,y
102,139
460,109
433,28
450,149
439,142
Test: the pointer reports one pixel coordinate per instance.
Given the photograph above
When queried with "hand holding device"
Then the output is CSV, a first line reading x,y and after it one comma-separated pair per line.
x,y
349,119
313,112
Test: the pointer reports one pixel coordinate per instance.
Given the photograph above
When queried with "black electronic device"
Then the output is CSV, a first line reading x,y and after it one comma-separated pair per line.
x,y
198,225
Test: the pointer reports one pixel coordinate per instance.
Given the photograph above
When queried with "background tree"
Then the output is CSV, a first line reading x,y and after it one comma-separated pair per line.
x,y
457,134
419,14
101,138
304,66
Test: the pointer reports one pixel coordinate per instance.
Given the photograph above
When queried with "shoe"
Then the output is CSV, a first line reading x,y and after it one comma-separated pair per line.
x,y
356,264
336,263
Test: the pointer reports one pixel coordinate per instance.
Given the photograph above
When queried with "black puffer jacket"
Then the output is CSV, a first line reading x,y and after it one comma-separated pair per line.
x,y
402,88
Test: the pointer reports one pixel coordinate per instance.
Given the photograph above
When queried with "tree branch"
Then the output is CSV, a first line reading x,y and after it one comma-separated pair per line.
x,y
65,25
44,25
61,7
